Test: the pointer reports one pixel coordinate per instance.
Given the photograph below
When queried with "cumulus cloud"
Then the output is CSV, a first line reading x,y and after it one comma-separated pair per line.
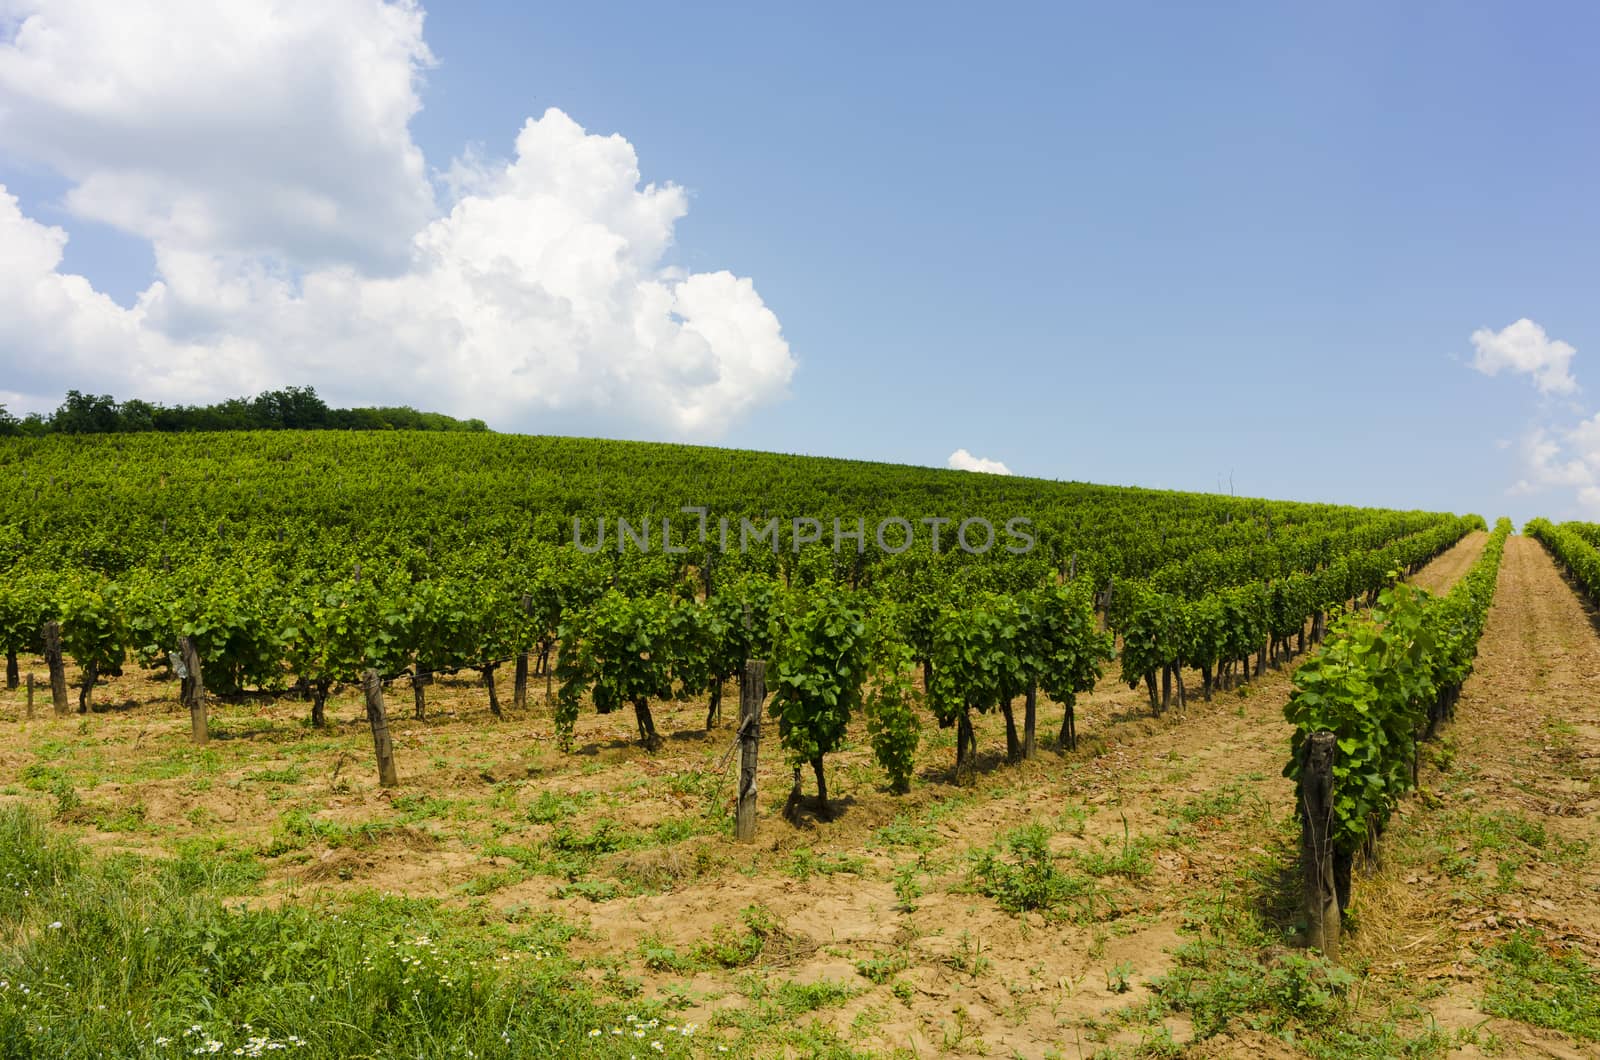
x,y
961,460
262,148
1566,459
1523,348
237,127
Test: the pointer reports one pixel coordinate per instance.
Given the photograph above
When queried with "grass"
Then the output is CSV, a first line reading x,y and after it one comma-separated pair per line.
x,y
902,832
803,864
1539,982
549,807
297,829
133,957
1239,970
1130,860
1027,879
798,998
762,933
882,969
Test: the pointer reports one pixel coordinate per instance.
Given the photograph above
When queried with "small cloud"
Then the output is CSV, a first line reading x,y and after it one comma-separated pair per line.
x,y
1523,348
961,460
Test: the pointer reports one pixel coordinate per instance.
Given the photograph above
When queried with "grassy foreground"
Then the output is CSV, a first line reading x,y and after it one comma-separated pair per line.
x,y
134,957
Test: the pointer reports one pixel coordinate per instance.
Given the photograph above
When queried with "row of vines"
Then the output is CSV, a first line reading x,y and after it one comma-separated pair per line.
x,y
297,562
1383,681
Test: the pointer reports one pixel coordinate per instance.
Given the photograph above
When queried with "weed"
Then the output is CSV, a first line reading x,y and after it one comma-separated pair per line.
x,y
803,864
882,969
66,795
288,775
967,958
906,888
903,833
152,937
737,951
660,957
1538,982
1117,979
798,998
549,807
1030,880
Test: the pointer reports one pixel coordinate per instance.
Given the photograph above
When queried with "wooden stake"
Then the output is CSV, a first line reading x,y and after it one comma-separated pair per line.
x,y
1321,899
387,776
30,695
419,698
752,691
58,669
1030,720
193,692
519,686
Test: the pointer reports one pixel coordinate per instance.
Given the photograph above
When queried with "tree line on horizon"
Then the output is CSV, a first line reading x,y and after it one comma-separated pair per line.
x,y
296,408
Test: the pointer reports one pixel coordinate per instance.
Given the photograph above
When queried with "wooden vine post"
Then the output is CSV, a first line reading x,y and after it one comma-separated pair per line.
x,y
194,691
1316,846
387,777
519,685
419,697
58,669
30,695
752,690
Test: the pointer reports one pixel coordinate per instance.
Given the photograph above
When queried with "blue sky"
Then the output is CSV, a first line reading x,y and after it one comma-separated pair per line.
x,y
1157,244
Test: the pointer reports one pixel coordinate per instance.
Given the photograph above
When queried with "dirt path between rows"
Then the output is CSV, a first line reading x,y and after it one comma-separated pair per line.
x,y
1508,836
1438,576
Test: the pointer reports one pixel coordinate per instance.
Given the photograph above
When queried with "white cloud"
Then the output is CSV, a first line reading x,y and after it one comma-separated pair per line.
x,y
1562,460
961,460
1523,348
1553,458
228,127
262,148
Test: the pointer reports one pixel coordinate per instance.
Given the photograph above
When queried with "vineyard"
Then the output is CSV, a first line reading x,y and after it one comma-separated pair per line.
x,y
386,743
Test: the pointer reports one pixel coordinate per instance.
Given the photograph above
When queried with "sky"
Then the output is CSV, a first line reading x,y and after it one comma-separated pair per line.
x,y
1337,253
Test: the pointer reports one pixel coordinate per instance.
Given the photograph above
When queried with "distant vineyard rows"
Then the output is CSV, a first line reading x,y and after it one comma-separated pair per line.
x,y
300,560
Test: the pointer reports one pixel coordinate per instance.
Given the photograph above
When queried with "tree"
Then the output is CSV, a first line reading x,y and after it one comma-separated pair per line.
x,y
86,414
